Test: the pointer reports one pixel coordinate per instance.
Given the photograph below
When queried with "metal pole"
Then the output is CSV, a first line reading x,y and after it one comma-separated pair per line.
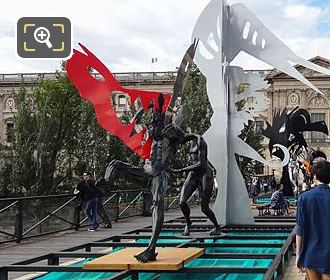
x,y
76,217
19,221
3,274
53,260
117,207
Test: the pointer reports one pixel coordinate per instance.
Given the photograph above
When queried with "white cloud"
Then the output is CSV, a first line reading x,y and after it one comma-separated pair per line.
x,y
126,34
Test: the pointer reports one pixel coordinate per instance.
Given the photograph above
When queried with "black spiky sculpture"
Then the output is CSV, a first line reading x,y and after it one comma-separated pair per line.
x,y
287,129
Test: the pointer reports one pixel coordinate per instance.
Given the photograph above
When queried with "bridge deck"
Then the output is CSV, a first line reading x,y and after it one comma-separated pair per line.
x,y
28,249
13,252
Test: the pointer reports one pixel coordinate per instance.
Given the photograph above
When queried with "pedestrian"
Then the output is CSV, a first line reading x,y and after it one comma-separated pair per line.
x,y
258,186
89,196
265,185
313,226
253,189
273,184
196,196
278,201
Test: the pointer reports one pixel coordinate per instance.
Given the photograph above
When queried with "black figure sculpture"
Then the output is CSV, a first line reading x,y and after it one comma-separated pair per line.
x,y
165,137
162,153
201,176
287,129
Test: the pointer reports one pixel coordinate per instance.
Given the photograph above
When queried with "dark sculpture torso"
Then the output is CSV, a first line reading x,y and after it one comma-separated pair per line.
x,y
201,176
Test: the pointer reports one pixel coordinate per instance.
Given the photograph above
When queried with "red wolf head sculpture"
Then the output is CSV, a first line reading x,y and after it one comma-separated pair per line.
x,y
99,93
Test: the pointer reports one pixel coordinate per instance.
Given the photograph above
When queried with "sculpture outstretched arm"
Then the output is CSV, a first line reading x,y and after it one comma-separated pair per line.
x,y
197,138
119,169
187,168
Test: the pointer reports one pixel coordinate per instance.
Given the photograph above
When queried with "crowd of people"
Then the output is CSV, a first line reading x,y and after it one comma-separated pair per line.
x,y
259,184
313,217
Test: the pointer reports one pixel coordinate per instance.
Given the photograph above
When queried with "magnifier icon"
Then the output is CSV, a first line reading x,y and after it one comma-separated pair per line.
x,y
41,35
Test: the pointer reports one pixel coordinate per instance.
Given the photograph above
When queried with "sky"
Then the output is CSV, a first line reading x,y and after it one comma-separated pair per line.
x,y
127,34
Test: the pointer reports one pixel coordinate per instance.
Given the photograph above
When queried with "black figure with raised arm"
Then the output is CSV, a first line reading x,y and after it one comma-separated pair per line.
x,y
154,174
165,137
164,145
201,175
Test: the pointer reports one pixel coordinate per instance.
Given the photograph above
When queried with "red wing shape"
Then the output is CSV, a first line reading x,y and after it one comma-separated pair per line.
x,y
99,93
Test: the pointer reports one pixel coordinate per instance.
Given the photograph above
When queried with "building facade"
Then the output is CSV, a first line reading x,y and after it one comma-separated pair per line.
x,y
286,92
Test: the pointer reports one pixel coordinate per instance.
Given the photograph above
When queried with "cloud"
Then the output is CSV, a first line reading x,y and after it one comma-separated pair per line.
x,y
126,34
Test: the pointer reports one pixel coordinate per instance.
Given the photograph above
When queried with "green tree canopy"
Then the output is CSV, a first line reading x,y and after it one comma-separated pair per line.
x,y
57,138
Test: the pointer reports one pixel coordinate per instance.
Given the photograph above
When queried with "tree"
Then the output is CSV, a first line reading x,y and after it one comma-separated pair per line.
x,y
254,139
198,110
23,162
57,138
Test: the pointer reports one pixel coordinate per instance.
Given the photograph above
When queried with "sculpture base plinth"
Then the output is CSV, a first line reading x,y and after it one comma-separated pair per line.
x,y
167,259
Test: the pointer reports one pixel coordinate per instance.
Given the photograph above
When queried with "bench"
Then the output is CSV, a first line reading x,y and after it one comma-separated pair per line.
x,y
278,211
264,209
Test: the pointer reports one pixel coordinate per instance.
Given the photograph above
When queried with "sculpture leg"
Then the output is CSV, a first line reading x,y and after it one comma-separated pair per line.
x,y
119,169
188,189
158,189
206,194
103,214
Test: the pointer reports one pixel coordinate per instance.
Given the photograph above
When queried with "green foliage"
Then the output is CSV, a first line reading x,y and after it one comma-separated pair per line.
x,y
57,138
198,109
254,139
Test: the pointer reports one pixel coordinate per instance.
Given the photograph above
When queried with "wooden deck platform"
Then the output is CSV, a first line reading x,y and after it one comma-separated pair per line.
x,y
167,259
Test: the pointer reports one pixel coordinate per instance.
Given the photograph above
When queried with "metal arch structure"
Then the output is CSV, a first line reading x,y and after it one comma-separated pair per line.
x,y
223,32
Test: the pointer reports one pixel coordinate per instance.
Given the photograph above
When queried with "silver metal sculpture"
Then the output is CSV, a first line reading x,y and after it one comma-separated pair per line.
x,y
223,32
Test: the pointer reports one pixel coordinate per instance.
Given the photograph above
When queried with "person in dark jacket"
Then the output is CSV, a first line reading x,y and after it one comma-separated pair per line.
x,y
88,195
313,226
278,200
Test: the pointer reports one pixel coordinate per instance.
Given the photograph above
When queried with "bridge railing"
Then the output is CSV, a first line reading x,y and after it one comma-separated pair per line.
x,y
129,77
27,217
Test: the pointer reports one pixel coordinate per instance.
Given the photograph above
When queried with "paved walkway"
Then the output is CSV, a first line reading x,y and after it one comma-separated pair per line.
x,y
292,272
29,248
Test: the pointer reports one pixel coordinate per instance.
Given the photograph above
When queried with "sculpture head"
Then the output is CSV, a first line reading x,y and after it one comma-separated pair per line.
x,y
277,133
287,129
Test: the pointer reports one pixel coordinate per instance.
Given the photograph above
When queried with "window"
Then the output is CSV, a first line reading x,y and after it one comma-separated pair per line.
x,y
122,101
318,136
10,132
259,127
